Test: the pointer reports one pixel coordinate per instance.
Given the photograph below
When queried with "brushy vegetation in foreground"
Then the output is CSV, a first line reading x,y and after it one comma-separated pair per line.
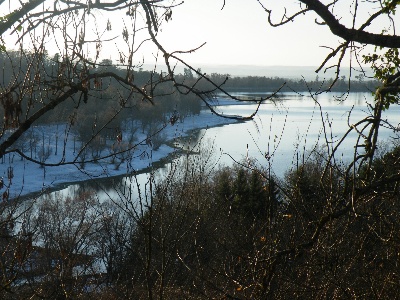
x,y
202,233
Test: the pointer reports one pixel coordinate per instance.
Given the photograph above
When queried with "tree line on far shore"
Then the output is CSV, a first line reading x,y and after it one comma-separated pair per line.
x,y
359,83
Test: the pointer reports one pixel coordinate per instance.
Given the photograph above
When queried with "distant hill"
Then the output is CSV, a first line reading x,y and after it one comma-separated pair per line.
x,y
290,72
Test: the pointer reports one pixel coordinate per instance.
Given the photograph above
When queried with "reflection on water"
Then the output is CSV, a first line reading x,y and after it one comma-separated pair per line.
x,y
283,132
279,137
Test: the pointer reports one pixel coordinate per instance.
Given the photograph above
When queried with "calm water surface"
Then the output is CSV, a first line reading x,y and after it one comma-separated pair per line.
x,y
282,132
279,137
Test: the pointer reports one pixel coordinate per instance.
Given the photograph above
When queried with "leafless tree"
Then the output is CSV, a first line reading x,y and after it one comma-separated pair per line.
x,y
365,25
331,231
38,85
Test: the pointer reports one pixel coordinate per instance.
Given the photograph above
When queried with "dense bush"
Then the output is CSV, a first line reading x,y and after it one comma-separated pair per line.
x,y
206,233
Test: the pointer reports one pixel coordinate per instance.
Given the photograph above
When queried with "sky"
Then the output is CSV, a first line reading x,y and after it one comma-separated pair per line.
x,y
239,34
235,32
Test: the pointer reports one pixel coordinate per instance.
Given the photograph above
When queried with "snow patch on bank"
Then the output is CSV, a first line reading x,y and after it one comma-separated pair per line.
x,y
21,176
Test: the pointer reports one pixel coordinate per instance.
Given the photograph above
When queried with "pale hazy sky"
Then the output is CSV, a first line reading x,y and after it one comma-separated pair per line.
x,y
239,34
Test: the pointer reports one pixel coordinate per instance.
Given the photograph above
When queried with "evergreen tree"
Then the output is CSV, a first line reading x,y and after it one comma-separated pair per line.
x,y
257,195
272,199
241,192
223,187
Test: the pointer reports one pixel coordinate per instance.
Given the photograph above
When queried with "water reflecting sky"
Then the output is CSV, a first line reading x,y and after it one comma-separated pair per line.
x,y
279,137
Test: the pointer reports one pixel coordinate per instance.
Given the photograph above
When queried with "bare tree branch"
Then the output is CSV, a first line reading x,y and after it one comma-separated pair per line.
x,y
350,34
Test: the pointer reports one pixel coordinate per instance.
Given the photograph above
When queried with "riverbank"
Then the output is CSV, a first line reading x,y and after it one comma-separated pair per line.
x,y
23,178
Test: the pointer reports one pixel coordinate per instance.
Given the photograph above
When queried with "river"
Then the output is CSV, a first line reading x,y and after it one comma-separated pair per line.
x,y
279,137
